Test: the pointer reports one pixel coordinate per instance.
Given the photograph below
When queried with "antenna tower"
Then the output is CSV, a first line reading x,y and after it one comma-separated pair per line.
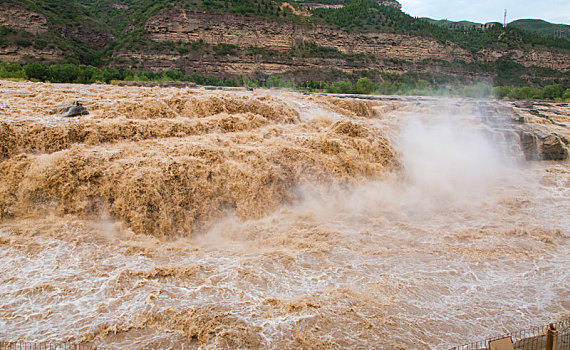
x,y
505,19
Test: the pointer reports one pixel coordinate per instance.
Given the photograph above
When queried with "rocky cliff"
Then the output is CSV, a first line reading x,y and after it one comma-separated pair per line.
x,y
256,44
179,25
183,25
21,19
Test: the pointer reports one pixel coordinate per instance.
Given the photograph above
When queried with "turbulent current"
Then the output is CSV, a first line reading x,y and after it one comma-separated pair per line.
x,y
186,218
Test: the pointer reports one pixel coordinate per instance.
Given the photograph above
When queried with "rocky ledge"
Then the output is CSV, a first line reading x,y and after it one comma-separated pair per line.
x,y
544,129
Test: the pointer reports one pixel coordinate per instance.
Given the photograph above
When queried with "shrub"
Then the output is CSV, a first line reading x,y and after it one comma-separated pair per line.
x,y
86,74
12,70
342,86
525,93
364,86
63,73
109,74
173,74
276,81
197,78
501,92
212,80
36,71
552,91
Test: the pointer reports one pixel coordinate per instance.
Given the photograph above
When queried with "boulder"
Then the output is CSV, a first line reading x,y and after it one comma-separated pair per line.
x,y
74,111
537,145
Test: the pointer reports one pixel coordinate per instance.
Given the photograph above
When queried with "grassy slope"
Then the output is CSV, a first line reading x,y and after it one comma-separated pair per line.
x,y
542,27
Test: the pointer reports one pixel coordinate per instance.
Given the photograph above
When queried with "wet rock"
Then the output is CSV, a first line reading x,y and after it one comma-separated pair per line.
x,y
534,112
555,147
523,104
76,110
537,145
519,119
530,145
167,84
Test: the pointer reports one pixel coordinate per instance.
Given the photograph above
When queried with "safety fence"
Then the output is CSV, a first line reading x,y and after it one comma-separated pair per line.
x,y
42,346
554,336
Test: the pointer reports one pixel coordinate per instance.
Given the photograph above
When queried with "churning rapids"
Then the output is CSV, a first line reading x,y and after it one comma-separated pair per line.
x,y
186,218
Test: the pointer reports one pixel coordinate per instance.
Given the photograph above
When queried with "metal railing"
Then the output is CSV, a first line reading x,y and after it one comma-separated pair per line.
x,y
554,336
43,346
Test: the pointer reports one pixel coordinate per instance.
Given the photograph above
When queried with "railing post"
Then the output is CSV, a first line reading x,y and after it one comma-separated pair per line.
x,y
551,337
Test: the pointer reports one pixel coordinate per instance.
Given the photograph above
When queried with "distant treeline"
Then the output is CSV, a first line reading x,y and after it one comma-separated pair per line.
x,y
391,84
85,74
477,90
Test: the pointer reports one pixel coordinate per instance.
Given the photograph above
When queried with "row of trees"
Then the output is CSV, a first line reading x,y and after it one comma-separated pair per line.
x,y
549,92
478,90
387,84
85,74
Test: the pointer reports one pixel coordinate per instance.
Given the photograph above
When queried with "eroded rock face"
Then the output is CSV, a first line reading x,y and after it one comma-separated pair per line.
x,y
544,58
185,25
389,52
20,19
543,129
391,3
89,33
13,53
554,147
540,146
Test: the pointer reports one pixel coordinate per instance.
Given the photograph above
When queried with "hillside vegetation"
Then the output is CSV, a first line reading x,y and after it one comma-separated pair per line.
x,y
121,19
536,26
541,27
89,33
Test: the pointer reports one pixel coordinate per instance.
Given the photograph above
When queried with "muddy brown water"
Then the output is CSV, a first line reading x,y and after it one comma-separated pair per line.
x,y
184,218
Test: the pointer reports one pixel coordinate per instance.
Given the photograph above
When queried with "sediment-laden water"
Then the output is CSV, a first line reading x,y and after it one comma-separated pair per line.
x,y
180,218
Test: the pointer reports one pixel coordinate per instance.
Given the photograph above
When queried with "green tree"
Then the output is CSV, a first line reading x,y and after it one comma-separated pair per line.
x,y
36,71
342,86
63,73
552,91
501,92
387,88
364,86
86,74
566,95
525,93
173,74
422,85
12,70
275,81
109,74
212,80
197,78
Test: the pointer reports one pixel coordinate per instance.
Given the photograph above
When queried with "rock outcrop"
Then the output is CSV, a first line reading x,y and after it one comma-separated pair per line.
x,y
391,3
21,19
14,53
270,41
180,25
544,130
187,26
553,59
